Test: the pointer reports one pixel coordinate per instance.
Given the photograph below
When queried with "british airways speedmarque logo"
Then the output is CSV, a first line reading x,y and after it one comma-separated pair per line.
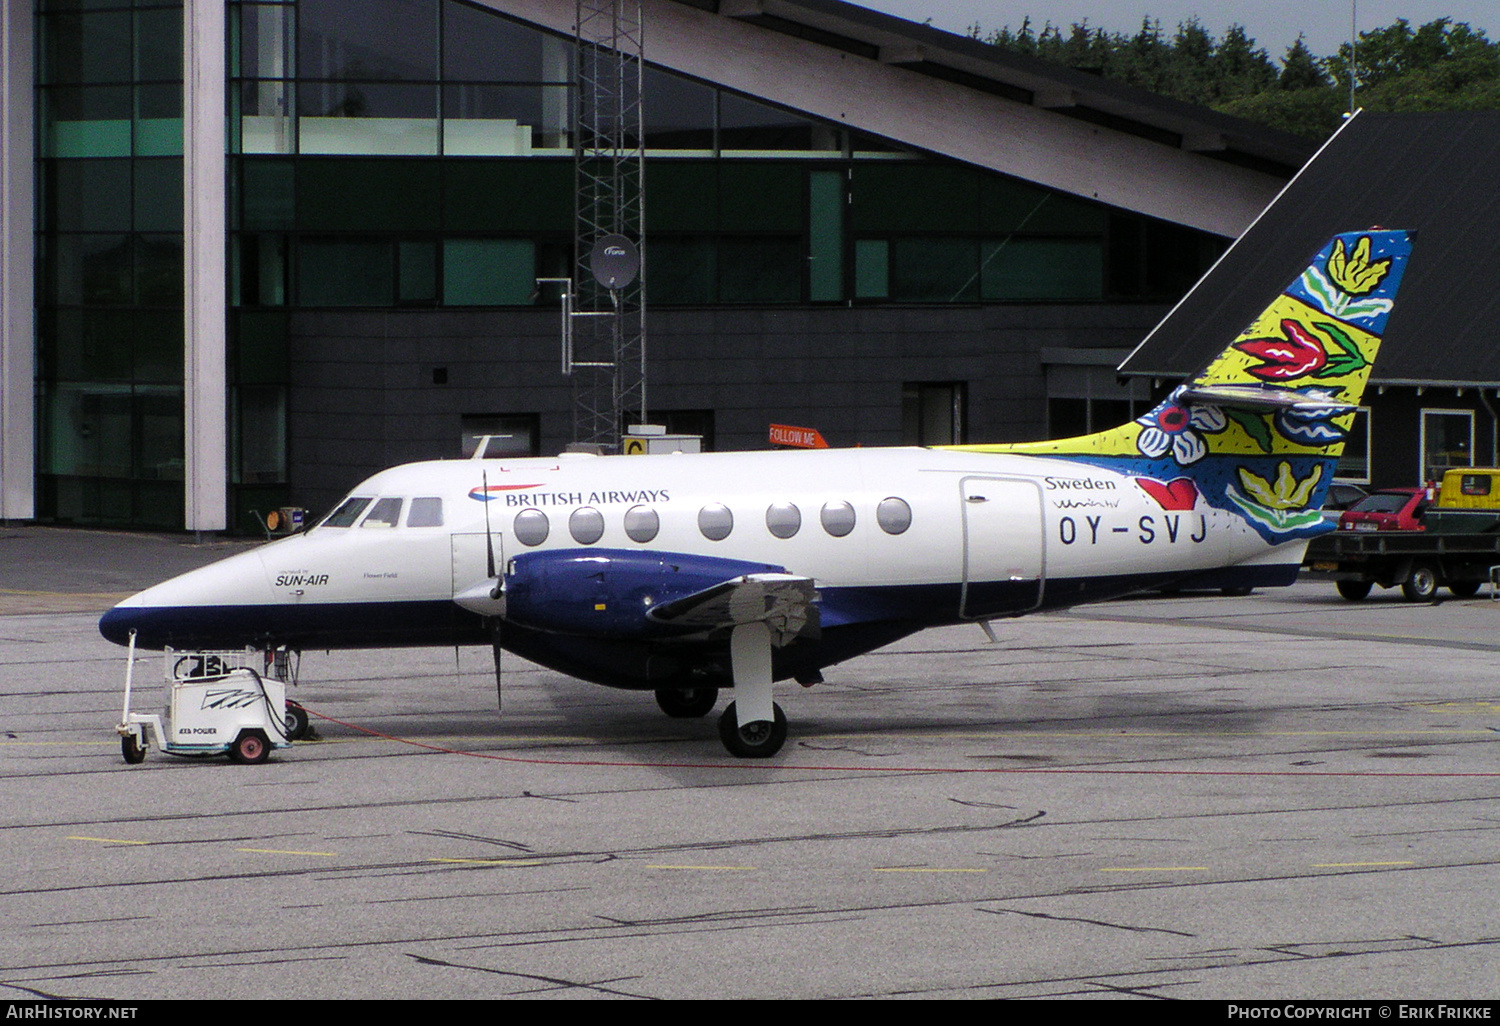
x,y
482,493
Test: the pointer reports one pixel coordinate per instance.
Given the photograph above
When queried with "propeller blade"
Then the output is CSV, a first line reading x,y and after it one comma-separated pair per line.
x,y
495,644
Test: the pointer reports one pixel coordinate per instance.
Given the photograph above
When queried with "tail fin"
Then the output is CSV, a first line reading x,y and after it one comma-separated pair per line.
x,y
1261,428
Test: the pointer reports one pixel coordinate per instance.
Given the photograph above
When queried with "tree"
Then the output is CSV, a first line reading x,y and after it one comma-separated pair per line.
x,y
1442,65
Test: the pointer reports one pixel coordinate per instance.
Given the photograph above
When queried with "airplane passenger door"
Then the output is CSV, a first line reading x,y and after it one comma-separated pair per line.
x,y
470,563
1004,546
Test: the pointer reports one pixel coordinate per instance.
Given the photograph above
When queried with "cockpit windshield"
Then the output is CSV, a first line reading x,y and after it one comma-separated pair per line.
x,y
347,513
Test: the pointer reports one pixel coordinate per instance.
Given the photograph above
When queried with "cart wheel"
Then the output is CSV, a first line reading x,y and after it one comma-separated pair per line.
x,y
134,751
250,748
296,721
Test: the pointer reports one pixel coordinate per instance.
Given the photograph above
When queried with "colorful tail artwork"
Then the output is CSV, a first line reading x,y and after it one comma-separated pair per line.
x,y
1260,431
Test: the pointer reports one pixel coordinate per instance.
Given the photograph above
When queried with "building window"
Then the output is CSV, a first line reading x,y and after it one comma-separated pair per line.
x,y
1354,461
1447,441
932,412
504,435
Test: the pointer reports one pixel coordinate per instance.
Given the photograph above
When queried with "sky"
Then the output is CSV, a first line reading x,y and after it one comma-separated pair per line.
x,y
1274,24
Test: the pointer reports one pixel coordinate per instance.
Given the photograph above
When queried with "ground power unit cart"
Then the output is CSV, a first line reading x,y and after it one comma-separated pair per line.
x,y
217,704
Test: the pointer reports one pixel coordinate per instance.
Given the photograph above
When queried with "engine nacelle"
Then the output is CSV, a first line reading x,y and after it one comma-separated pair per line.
x,y
609,592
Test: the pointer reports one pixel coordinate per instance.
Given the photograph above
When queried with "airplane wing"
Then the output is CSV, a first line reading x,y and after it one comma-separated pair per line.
x,y
786,603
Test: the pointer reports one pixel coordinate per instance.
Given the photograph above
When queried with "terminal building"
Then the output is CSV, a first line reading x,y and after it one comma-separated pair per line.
x,y
255,251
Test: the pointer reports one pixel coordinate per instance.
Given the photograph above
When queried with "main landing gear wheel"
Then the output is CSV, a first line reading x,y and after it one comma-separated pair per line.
x,y
133,750
759,740
1353,590
1422,585
687,703
296,721
250,748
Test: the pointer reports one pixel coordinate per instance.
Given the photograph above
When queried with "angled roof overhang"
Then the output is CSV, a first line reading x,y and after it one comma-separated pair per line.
x,y
950,95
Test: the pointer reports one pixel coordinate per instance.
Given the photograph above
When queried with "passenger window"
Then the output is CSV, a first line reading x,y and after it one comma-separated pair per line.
x,y
425,512
347,513
715,521
838,518
386,513
783,519
531,527
893,515
642,523
586,525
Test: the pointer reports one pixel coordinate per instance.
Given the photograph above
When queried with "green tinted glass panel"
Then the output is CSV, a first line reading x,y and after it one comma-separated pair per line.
x,y
872,269
86,121
914,197
825,235
158,137
682,270
760,270
367,195
260,338
158,270
158,413
373,39
759,196
935,270
158,346
682,196
158,45
158,195
86,345
259,269
1043,269
87,430
418,263
508,195
1009,205
679,113
267,194
342,272
88,270
86,47
488,272
479,46
87,195
747,125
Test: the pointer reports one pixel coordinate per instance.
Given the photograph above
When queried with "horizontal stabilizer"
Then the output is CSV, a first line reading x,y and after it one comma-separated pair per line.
x,y
784,602
1263,400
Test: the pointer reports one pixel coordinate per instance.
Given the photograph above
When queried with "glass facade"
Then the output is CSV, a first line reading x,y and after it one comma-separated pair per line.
x,y
110,262
418,154
428,103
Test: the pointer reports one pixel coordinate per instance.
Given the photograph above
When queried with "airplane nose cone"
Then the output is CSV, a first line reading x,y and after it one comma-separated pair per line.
x,y
117,624
152,626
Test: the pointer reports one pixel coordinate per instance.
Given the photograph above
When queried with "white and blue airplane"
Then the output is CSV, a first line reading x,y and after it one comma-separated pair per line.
x,y
684,574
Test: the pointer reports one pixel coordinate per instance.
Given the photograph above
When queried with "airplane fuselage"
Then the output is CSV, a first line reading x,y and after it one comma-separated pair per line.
x,y
895,539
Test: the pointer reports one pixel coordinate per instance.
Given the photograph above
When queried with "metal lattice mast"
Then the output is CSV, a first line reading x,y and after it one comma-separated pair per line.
x,y
609,330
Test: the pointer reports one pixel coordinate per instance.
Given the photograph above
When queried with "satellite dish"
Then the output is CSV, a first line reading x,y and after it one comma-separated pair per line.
x,y
615,261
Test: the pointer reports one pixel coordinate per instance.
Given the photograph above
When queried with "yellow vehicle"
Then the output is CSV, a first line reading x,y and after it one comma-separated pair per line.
x,y
1470,488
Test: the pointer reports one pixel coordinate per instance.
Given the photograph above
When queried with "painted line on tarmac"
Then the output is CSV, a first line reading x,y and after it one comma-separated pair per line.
x,y
923,869
107,840
1153,869
280,851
